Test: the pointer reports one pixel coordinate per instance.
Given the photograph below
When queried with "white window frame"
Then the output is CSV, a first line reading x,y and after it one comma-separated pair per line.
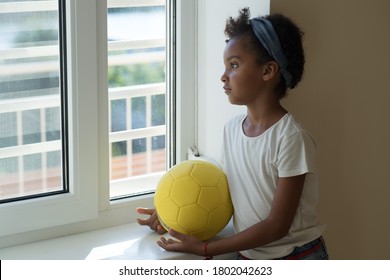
x,y
81,201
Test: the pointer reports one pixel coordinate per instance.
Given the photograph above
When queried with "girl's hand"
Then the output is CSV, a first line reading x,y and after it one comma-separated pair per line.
x,y
183,243
152,221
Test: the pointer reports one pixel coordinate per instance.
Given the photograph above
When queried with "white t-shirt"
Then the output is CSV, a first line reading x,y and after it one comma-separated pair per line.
x,y
253,165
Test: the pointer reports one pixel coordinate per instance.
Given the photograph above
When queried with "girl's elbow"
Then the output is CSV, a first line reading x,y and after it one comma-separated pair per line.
x,y
281,230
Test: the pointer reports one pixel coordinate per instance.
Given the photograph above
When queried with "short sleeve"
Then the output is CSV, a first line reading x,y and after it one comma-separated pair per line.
x,y
297,155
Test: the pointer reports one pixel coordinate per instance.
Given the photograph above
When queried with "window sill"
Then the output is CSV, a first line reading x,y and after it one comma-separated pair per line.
x,y
124,242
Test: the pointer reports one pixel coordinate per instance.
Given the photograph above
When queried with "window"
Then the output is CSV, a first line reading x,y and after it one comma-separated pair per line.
x,y
38,127
137,95
33,136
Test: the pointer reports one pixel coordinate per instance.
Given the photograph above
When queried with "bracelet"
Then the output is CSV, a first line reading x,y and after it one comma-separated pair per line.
x,y
206,255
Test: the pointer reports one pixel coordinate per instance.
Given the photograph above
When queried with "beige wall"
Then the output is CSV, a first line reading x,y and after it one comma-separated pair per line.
x,y
343,100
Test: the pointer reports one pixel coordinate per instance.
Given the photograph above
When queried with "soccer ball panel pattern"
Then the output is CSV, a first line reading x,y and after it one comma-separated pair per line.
x,y
193,198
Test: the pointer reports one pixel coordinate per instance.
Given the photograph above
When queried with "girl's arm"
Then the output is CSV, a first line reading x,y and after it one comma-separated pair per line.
x,y
274,227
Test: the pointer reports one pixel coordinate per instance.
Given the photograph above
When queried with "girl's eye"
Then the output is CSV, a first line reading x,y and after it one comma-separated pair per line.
x,y
233,65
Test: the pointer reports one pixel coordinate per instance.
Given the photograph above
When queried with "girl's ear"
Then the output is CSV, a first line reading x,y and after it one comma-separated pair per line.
x,y
269,70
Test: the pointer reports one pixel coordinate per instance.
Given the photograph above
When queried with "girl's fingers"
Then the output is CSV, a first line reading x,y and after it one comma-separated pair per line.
x,y
146,211
143,222
169,244
152,221
161,229
177,234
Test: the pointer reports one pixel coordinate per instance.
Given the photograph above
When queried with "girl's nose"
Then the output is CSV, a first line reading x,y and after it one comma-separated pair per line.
x,y
223,77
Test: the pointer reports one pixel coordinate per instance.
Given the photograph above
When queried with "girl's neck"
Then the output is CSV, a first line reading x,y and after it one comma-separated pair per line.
x,y
261,119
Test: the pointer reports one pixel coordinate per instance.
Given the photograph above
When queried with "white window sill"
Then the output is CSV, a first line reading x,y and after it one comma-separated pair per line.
x,y
129,241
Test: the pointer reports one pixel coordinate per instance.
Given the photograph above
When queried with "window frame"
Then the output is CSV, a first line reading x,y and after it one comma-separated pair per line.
x,y
80,203
87,206
134,133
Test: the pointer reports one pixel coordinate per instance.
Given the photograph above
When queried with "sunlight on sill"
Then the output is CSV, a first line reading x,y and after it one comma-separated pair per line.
x,y
125,242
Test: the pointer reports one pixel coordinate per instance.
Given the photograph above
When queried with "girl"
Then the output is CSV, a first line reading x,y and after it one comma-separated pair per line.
x,y
269,158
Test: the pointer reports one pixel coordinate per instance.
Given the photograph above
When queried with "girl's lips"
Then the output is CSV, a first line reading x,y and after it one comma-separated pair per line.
x,y
227,89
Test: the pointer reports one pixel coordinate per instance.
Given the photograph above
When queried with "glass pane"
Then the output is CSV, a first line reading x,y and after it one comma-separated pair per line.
x,y
30,94
136,78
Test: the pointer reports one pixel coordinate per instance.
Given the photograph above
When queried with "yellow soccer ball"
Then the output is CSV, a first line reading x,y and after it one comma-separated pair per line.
x,y
193,198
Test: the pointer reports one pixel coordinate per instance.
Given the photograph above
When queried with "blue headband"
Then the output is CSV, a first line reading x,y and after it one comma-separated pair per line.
x,y
267,36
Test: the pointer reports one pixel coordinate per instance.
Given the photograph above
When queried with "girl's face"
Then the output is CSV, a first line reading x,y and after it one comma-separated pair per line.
x,y
242,78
